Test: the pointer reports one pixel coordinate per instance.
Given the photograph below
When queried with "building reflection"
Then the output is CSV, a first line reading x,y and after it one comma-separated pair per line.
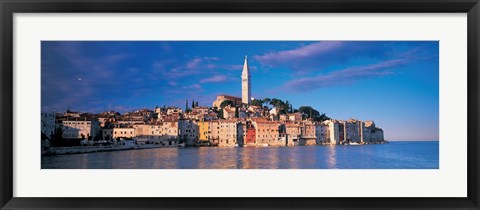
x,y
332,159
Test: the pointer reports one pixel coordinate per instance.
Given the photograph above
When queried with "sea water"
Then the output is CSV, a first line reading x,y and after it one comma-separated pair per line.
x,y
394,155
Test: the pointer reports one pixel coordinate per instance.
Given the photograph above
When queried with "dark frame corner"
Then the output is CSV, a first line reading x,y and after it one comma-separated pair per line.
x,y
9,7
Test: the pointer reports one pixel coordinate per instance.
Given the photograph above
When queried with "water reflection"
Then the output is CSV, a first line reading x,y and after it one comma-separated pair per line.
x,y
332,160
393,155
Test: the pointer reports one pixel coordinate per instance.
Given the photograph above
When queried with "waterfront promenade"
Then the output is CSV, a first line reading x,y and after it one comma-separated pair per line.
x,y
89,149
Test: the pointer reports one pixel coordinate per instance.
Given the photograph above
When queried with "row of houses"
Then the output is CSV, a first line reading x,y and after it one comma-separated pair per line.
x,y
172,128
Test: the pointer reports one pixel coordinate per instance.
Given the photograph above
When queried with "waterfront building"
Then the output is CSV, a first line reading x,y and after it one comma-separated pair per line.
x,y
222,98
267,132
118,131
164,133
214,132
203,129
321,131
79,127
308,134
370,133
229,133
250,134
246,83
188,131
170,131
153,130
293,132
333,132
352,130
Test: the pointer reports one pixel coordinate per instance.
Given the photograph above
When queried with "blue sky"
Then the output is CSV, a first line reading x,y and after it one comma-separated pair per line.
x,y
394,83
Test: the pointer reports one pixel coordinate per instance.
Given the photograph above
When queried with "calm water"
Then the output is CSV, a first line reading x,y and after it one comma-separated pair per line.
x,y
395,155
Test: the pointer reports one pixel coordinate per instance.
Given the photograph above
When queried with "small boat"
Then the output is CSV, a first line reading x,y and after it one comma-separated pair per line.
x,y
181,145
353,143
264,145
236,145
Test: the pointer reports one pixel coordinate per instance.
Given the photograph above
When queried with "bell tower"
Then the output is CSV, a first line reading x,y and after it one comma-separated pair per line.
x,y
246,78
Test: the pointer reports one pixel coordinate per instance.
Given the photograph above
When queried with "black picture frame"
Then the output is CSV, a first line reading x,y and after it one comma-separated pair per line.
x,y
10,7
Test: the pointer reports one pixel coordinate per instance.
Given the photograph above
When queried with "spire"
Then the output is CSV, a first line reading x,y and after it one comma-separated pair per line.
x,y
246,94
245,67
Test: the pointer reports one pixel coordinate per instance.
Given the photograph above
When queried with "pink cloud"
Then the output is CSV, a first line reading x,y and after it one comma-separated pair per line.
x,y
345,76
303,52
193,63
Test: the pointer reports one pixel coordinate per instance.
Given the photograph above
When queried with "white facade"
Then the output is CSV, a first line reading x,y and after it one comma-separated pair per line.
x,y
246,83
79,128
333,132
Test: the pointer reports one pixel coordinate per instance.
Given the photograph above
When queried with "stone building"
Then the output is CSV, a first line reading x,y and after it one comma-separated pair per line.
x,y
214,132
293,133
229,133
371,133
79,127
308,134
222,98
188,131
332,135
117,131
321,131
267,132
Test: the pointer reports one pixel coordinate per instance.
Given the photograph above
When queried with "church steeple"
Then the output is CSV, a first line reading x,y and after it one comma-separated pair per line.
x,y
246,93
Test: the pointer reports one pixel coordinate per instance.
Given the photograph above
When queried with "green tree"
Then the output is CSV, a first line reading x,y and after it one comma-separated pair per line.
x,y
236,112
322,117
309,111
186,106
196,103
257,102
287,106
220,113
313,113
226,103
193,103
266,101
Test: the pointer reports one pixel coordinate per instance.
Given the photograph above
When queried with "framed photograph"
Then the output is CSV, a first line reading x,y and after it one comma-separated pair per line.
x,y
239,105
